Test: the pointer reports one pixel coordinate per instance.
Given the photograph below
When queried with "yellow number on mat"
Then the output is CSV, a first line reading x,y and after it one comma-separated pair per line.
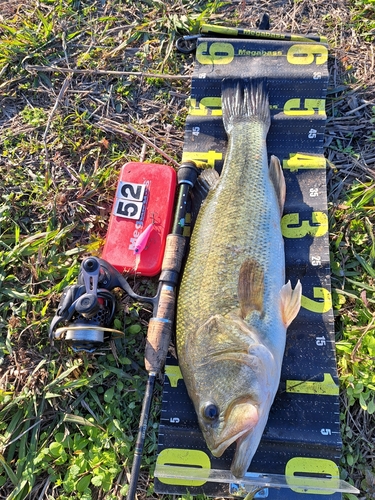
x,y
318,226
320,307
326,387
298,467
216,53
307,54
298,161
208,157
304,107
206,106
175,456
174,374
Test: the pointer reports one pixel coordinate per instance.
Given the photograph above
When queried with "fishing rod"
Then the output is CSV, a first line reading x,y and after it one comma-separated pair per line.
x,y
86,310
160,326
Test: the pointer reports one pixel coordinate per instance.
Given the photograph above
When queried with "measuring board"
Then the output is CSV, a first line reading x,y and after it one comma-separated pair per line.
x,y
302,436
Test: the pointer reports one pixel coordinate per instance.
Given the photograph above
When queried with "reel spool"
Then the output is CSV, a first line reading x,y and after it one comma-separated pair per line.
x,y
86,311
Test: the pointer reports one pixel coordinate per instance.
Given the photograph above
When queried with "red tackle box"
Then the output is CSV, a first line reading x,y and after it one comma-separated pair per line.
x,y
145,194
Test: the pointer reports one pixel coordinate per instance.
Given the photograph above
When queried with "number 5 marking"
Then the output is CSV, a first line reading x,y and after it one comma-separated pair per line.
x,y
304,107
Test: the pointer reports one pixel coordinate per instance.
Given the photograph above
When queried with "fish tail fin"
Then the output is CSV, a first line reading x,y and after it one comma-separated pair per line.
x,y
245,100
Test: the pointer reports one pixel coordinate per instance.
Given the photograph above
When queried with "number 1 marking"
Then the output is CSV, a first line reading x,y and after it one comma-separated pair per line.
x,y
326,387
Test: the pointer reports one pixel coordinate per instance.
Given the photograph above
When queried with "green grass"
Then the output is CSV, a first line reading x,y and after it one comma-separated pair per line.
x,y
68,422
353,279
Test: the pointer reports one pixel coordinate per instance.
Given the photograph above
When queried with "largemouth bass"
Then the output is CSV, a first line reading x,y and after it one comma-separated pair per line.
x,y
234,306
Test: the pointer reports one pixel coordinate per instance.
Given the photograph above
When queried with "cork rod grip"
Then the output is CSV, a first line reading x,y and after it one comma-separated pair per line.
x,y
174,253
160,331
160,327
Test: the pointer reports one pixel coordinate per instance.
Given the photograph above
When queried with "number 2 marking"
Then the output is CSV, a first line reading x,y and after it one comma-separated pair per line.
x,y
131,191
322,302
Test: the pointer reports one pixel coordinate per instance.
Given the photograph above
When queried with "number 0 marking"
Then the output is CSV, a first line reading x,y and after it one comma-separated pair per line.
x,y
297,467
175,456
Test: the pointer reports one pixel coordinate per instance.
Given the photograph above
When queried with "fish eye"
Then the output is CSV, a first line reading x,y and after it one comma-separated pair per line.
x,y
210,411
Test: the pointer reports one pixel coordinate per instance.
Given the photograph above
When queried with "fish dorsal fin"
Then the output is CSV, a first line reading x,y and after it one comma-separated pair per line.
x,y
208,178
290,302
205,182
250,287
278,181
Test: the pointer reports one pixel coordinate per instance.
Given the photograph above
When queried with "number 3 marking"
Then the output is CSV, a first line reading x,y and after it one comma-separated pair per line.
x,y
318,226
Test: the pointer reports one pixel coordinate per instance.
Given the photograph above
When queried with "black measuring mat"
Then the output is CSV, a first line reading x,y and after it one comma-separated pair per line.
x,y
302,436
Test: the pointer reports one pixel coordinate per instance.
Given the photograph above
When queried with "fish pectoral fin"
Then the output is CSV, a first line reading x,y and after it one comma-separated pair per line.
x,y
250,287
290,302
278,181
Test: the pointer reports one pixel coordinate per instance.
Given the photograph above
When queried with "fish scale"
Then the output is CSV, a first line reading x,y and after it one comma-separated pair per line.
x,y
233,224
233,307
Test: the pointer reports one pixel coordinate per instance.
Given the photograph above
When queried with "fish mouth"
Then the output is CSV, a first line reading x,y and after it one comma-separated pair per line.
x,y
243,455
241,420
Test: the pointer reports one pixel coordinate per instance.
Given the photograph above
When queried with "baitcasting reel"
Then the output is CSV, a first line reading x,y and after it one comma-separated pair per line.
x,y
86,310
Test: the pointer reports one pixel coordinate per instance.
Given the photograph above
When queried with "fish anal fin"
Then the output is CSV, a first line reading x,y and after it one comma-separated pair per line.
x,y
250,287
278,180
290,302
